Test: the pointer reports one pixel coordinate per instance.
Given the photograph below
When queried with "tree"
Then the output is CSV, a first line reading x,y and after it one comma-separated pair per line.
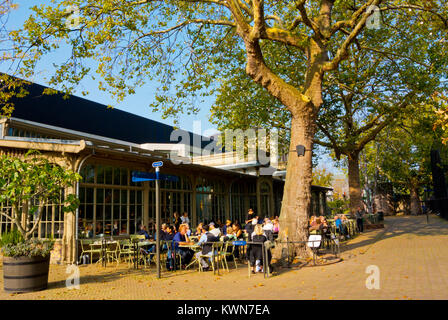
x,y
186,44
322,177
28,184
403,157
9,86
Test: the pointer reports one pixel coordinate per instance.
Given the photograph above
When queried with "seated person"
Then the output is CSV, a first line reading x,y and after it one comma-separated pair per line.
x,y
143,231
268,229
227,225
199,229
230,236
214,230
340,227
206,238
180,238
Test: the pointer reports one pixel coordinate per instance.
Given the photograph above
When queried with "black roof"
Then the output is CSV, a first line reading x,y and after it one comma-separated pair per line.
x,y
87,116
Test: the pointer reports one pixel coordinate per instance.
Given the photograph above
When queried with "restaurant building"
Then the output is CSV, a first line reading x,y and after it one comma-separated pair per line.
x,y
106,146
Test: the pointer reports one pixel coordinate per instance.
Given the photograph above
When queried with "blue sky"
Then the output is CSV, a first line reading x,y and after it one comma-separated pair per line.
x,y
137,104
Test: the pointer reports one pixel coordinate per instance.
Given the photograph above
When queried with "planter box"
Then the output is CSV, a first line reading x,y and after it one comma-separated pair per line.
x,y
25,274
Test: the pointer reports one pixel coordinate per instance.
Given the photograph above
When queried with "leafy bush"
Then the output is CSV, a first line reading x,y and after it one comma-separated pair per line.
x,y
11,247
14,237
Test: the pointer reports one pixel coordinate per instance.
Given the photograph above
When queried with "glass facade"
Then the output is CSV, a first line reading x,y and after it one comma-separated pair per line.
x,y
210,200
243,195
175,196
109,202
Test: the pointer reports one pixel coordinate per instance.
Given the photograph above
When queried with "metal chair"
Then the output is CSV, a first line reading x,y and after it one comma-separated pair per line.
x,y
86,248
126,250
226,253
113,252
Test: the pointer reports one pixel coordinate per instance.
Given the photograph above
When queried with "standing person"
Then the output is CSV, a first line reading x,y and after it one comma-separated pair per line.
x,y
184,218
176,220
250,215
359,219
256,252
249,229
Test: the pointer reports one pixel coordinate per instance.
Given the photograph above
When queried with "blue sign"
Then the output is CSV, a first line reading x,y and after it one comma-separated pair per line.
x,y
157,164
138,176
239,243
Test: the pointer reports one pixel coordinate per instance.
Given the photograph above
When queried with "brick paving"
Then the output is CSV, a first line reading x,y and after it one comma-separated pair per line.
x,y
412,257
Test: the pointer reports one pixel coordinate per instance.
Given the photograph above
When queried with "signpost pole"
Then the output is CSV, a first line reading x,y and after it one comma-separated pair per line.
x,y
158,222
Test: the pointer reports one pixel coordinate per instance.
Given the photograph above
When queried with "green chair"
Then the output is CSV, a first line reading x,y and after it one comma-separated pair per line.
x,y
137,237
113,252
86,248
226,253
126,250
217,248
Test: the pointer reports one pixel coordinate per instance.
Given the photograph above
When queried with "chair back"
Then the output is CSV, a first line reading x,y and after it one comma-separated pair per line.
x,y
137,237
125,244
218,247
85,243
166,244
113,246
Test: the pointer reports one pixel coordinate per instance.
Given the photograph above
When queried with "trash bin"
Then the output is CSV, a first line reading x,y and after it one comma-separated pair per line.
x,y
380,215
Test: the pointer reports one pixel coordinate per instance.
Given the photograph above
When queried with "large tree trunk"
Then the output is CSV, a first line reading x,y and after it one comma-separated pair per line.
x,y
296,203
415,207
354,183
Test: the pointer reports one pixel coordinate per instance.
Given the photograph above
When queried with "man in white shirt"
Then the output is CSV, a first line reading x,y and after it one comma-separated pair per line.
x,y
215,231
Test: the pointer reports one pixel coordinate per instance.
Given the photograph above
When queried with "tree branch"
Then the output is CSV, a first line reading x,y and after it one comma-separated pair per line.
x,y
342,52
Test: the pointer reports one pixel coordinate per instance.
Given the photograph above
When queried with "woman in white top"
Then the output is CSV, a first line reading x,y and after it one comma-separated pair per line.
x,y
184,218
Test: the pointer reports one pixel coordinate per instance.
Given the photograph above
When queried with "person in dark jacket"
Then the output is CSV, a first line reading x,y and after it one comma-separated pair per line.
x,y
256,252
359,219
249,228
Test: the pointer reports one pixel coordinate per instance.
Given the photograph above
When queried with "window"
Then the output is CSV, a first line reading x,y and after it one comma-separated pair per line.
x,y
174,196
210,200
51,224
109,200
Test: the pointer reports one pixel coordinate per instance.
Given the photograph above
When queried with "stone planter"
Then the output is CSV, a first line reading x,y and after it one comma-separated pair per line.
x,y
25,274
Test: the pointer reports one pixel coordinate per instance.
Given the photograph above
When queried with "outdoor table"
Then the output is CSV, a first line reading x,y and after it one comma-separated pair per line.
x,y
103,245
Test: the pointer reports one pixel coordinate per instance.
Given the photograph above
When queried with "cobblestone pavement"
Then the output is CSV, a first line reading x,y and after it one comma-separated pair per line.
x,y
412,257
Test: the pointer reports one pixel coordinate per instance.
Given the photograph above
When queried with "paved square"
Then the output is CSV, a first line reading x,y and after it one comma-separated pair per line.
x,y
412,257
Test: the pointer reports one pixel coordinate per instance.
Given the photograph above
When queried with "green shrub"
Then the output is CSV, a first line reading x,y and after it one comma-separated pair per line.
x,y
13,237
11,246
